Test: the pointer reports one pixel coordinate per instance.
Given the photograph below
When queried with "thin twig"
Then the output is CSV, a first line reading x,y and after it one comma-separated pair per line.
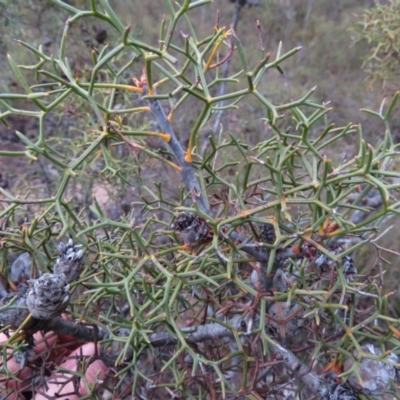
x,y
17,201
225,72
224,75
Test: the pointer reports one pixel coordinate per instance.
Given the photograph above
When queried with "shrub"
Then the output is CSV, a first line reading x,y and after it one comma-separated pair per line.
x,y
215,268
379,28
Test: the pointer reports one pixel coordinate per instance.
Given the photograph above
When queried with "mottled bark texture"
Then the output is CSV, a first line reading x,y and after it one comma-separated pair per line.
x,y
46,297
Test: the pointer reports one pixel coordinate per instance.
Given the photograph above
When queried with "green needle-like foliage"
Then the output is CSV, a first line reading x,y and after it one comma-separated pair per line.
x,y
379,28
216,267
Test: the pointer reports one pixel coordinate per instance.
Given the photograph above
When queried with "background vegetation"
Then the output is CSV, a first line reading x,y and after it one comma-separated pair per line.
x,y
89,163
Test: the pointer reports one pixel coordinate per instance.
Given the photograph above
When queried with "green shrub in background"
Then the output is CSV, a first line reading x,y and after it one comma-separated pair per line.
x,y
215,268
379,27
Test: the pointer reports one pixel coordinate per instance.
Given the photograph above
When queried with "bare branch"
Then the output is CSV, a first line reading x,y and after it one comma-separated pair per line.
x,y
372,200
188,174
64,327
302,371
225,71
